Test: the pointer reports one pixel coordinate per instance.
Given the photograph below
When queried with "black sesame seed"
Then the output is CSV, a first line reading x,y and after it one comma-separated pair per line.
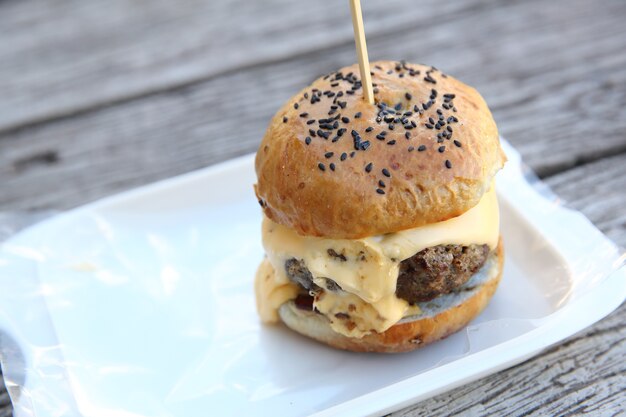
x,y
448,164
430,79
343,156
391,142
369,129
449,129
332,166
398,106
358,115
457,143
381,184
296,105
379,191
352,154
441,149
354,133
341,131
328,155
368,167
449,96
312,132
407,135
304,114
421,148
321,166
365,145
376,90
408,96
307,140
285,119
345,120
429,126
411,148
380,136
386,173
431,120
391,126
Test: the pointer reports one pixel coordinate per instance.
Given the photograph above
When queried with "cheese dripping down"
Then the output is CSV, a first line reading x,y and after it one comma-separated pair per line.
x,y
366,269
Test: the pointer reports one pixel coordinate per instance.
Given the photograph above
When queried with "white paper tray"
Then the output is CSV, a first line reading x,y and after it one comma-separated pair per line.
x,y
142,305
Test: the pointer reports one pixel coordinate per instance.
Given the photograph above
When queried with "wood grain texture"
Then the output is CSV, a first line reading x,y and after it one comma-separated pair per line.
x,y
536,75
599,191
99,97
63,57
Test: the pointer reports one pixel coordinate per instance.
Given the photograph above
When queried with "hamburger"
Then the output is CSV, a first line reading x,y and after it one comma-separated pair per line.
x,y
380,222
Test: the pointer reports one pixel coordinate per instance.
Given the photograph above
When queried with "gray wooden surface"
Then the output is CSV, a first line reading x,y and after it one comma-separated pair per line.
x,y
101,96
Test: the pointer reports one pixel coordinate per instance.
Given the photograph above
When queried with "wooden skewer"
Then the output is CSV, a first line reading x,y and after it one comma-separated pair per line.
x,y
361,50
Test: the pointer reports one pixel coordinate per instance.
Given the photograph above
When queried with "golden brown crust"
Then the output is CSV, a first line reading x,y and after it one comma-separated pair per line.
x,y
344,202
402,337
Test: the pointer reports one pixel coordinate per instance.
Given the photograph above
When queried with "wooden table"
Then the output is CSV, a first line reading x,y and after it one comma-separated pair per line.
x,y
102,96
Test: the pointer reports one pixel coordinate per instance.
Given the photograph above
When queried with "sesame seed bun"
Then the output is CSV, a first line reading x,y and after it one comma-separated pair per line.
x,y
439,318
332,165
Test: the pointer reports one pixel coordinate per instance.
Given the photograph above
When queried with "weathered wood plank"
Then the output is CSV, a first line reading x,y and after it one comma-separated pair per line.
x,y
541,103
587,372
62,56
599,191
139,95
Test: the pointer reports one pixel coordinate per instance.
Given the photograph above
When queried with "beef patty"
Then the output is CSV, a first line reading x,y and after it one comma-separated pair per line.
x,y
427,274
438,270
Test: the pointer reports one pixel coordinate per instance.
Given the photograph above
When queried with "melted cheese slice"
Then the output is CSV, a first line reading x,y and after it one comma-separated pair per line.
x,y
271,294
367,269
